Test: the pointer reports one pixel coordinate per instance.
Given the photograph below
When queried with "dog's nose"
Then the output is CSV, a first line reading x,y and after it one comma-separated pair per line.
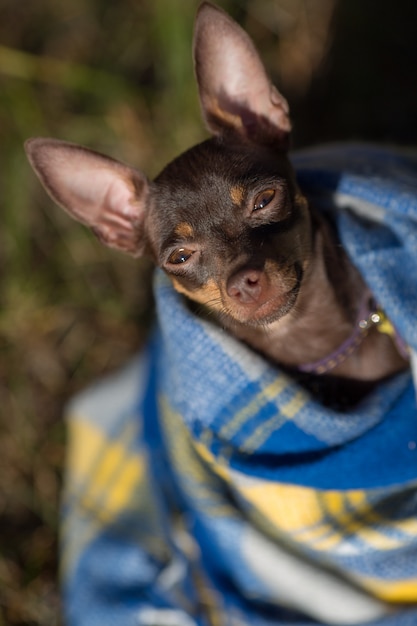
x,y
246,285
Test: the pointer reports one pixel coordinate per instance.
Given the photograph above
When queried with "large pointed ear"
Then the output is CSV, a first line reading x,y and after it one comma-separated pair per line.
x,y
235,92
104,194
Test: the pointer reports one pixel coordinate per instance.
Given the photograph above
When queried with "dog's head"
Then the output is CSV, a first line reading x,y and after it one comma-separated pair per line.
x,y
225,219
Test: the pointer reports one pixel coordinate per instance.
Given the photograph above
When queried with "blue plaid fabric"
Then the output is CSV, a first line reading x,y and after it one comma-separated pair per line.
x,y
205,487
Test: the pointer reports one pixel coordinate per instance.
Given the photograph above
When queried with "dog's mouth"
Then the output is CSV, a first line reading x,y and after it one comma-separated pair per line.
x,y
250,297
254,298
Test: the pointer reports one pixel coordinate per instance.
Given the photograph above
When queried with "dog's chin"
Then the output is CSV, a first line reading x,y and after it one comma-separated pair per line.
x,y
266,313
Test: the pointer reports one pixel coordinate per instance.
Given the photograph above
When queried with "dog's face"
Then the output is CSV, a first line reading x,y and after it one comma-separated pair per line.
x,y
227,223
225,219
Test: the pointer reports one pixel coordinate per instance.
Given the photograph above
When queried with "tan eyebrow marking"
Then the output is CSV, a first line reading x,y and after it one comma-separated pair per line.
x,y
237,194
184,229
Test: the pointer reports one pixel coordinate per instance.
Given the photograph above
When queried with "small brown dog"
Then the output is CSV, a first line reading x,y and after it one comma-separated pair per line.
x,y
228,223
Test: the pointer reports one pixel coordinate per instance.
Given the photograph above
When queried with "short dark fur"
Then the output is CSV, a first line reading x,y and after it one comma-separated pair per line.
x,y
230,237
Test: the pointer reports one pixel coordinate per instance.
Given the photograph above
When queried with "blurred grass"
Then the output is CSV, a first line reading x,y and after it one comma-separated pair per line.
x,y
116,76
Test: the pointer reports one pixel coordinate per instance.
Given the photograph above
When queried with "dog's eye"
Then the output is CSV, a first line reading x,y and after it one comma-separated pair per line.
x,y
263,199
181,255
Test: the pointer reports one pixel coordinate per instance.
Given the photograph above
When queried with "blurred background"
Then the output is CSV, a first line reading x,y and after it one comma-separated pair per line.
x,y
117,76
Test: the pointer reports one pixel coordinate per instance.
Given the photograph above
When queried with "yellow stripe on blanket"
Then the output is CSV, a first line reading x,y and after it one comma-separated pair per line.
x,y
102,478
200,485
287,412
321,520
105,472
268,394
402,591
326,519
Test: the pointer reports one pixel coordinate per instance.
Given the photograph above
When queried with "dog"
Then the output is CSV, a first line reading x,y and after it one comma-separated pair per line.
x,y
227,222
229,225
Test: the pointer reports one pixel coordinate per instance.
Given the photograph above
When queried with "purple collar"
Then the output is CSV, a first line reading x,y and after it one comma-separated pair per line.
x,y
370,315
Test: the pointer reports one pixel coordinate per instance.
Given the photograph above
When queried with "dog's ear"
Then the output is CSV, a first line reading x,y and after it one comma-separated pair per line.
x,y
104,194
236,94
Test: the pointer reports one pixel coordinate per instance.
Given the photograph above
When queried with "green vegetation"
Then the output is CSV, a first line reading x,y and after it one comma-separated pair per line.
x,y
116,76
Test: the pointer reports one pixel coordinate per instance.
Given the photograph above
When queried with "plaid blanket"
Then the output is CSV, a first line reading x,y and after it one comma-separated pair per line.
x,y
205,487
